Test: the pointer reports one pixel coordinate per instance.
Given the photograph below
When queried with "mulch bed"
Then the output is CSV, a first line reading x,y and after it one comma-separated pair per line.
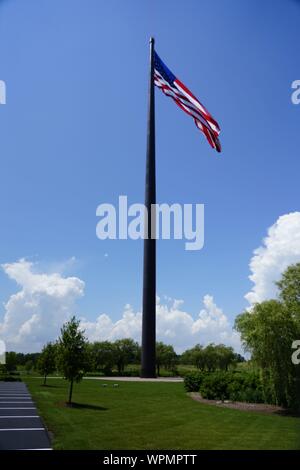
x,y
257,407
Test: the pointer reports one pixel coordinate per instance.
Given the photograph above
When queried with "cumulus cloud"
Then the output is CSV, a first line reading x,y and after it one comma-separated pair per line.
x,y
174,325
36,312
279,249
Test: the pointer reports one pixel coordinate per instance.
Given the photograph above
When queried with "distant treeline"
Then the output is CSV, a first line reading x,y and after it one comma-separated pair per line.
x,y
106,357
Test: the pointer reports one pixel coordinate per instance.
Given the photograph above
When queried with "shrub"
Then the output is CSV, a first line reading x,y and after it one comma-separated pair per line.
x,y
193,380
246,386
215,386
236,386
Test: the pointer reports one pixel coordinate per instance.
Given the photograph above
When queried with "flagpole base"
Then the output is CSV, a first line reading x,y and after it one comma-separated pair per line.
x,y
146,374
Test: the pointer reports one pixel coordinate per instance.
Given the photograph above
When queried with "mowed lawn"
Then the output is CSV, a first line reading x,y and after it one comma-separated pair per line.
x,y
139,415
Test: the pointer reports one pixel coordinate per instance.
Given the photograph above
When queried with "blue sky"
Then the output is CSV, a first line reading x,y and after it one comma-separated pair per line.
x,y
73,135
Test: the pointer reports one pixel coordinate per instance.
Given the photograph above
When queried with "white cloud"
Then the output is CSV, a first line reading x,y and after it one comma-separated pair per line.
x,y
34,314
174,325
279,249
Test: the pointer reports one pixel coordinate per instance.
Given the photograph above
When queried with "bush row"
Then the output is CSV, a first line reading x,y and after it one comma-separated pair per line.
x,y
236,386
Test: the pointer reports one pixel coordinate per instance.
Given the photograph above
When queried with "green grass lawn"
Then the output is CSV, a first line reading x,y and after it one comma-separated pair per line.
x,y
139,415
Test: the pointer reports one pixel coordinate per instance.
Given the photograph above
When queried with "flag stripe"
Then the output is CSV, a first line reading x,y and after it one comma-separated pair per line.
x,y
196,102
191,110
161,83
175,89
178,98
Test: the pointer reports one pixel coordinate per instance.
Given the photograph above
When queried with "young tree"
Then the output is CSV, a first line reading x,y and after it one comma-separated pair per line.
x,y
46,363
72,356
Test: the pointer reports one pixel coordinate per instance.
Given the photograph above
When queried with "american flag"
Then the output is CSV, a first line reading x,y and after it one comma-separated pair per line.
x,y
171,86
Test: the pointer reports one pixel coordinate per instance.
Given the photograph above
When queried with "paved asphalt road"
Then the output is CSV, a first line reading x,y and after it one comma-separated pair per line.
x,y
20,425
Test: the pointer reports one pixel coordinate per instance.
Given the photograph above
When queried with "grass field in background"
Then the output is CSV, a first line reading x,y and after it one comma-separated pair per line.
x,y
134,370
139,415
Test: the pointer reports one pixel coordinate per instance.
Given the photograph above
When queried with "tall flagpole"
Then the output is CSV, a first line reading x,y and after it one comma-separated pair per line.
x,y
149,278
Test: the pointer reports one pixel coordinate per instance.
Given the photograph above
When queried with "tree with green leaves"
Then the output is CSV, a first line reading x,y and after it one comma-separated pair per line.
x,y
72,353
225,356
126,351
46,363
11,361
289,290
268,331
194,356
102,356
29,366
211,357
165,356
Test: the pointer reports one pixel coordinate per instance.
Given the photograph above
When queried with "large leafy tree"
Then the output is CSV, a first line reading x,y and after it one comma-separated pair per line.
x,y
165,356
194,356
268,331
289,290
72,353
211,357
29,366
103,356
126,351
11,361
225,356
46,363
